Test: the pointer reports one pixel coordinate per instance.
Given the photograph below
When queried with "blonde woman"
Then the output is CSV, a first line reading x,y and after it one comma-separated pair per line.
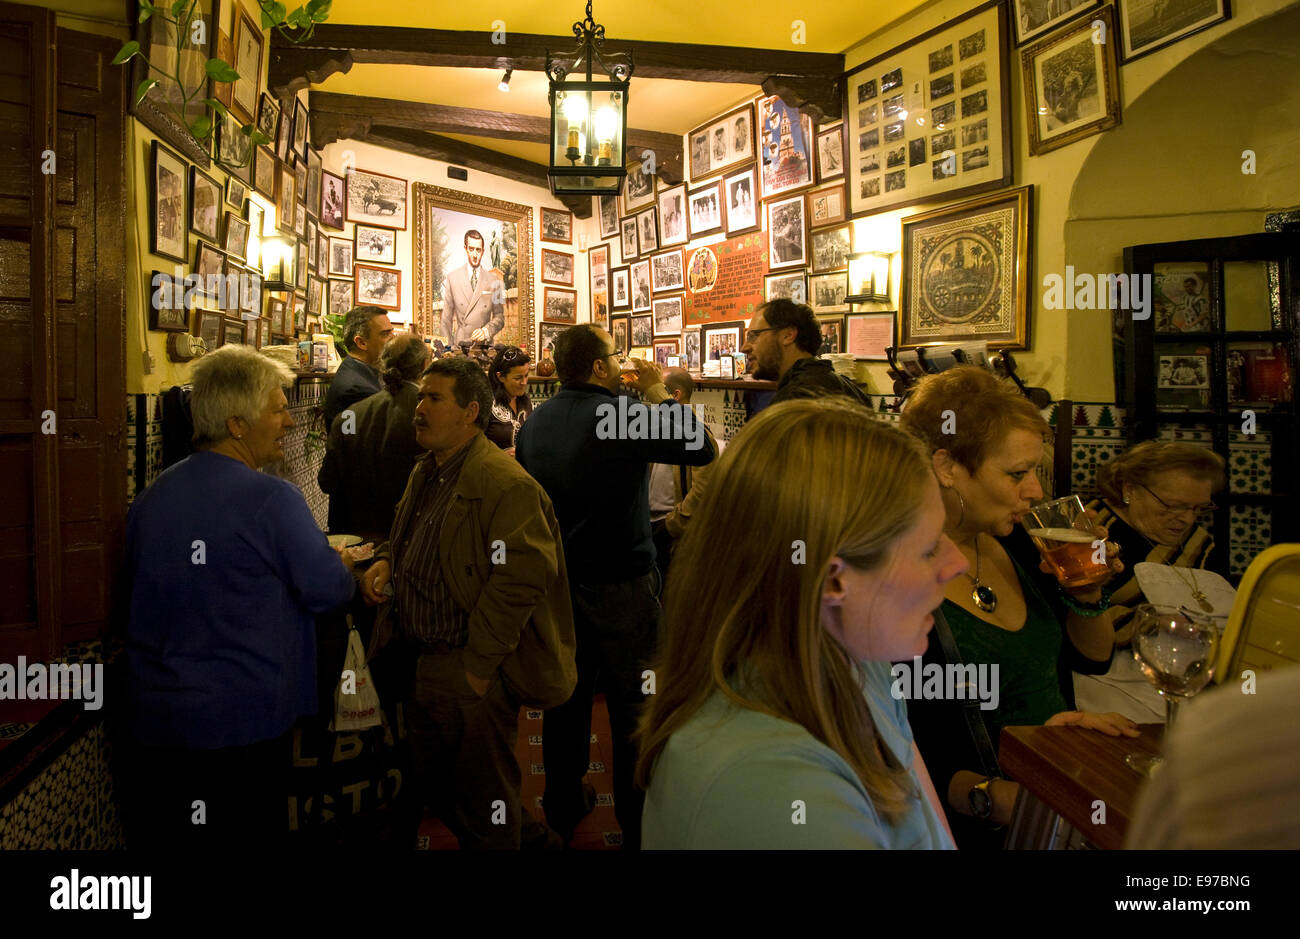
x,y
773,723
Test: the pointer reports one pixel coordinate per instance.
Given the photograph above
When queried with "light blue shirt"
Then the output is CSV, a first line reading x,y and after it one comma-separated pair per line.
x,y
734,778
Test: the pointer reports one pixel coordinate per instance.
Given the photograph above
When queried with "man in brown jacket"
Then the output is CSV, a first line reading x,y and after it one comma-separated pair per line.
x,y
475,570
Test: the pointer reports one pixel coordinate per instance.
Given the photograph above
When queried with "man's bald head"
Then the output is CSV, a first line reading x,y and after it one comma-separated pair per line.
x,y
678,379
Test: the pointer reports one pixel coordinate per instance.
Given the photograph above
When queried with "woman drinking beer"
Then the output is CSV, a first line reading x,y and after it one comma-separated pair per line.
x,y
986,442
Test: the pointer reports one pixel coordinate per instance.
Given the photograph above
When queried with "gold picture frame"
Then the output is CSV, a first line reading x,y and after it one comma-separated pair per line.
x,y
1072,84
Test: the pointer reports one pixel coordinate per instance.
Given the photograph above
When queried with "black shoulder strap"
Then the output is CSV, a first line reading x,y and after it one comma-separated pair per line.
x,y
970,704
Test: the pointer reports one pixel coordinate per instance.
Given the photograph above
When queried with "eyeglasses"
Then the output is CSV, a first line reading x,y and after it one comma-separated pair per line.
x,y
749,336
1179,508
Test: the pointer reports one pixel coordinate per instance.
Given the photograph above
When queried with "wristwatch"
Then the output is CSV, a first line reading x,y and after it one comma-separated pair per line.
x,y
981,802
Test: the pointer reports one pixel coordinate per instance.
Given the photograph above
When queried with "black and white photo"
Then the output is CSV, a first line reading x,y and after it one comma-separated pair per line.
x,y
785,228
378,286
376,199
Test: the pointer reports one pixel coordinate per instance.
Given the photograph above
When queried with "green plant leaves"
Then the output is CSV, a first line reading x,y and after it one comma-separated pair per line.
x,y
201,127
178,6
298,19
132,48
319,10
216,105
220,71
143,89
146,10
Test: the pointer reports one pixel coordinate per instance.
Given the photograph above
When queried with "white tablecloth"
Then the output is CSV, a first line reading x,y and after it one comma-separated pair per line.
x,y
1122,689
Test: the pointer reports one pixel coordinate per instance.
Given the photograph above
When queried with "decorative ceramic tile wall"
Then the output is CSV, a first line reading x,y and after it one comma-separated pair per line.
x,y
1250,528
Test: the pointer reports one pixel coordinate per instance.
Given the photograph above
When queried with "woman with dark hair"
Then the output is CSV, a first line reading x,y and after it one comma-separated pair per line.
x,y
510,402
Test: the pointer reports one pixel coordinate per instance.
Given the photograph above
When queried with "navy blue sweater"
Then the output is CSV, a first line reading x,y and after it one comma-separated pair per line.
x,y
600,487
221,641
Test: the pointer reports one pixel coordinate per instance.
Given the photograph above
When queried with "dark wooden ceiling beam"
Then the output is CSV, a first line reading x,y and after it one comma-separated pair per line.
x,y
335,47
435,147
822,99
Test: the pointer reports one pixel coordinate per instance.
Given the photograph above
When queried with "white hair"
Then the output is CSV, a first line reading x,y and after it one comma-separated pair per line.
x,y
234,381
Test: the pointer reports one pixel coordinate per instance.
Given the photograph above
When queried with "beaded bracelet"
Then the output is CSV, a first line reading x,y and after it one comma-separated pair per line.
x,y
1089,609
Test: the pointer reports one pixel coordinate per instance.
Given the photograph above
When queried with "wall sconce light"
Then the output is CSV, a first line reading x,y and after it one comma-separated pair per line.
x,y
869,276
505,79
278,258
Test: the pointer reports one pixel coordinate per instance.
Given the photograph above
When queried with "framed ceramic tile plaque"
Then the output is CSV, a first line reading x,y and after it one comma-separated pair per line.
x,y
930,120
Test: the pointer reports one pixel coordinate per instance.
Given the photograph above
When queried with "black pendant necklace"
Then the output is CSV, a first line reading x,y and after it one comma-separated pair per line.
x,y
982,594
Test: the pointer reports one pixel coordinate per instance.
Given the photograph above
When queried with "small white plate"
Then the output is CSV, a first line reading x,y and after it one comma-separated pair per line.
x,y
343,541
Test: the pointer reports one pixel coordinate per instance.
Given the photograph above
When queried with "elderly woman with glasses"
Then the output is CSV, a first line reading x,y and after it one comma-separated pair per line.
x,y
510,402
1152,496
225,568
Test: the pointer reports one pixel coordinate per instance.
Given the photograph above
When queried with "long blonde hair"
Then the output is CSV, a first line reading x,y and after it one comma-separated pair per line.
x,y
805,481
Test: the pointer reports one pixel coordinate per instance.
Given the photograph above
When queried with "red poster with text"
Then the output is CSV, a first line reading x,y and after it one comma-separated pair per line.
x,y
724,281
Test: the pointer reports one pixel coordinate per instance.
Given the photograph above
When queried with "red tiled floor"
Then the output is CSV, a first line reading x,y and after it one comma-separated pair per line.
x,y
599,831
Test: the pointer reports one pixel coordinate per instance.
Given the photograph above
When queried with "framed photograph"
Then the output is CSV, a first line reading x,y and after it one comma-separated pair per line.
x,y
314,258
300,180
628,234
285,199
1183,376
620,289
300,267
557,226
284,137
722,145
376,245
234,150
168,235
275,308
598,275
233,300
642,331
607,211
826,206
300,312
205,203
1071,87
208,263
167,309
378,286
830,153
323,253
557,268
832,329
207,326
672,216
300,219
647,232
966,273
376,199
641,286
1033,18
236,193
620,328
315,295
264,172
298,146
666,347
826,292
666,271
233,332
830,249
236,240
742,207
500,234
1183,297
559,306
224,50
786,287
547,333
868,335
1184,371
785,138
668,316
314,171
691,350
785,229
340,296
719,339
957,75
1148,25
339,263
706,209
158,42
248,40
331,201
268,118
727,366
639,188
250,299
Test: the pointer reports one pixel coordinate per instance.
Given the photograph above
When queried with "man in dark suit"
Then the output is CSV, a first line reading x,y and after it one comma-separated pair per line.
x,y
473,299
368,459
365,332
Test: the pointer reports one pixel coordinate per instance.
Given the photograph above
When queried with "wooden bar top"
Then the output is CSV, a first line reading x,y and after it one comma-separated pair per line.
x,y
1068,768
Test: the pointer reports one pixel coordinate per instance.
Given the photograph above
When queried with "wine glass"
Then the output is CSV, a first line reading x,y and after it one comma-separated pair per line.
x,y
1175,649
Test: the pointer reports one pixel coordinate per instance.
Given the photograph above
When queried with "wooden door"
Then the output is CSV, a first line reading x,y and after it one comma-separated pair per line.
x,y
62,385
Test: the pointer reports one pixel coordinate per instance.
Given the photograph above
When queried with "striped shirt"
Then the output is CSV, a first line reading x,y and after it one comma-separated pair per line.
x,y
423,603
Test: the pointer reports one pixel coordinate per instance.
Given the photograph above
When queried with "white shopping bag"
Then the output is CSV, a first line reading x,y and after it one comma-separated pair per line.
x,y
356,704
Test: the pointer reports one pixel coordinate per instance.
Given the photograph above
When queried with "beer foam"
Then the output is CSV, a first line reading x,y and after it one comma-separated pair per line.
x,y
1063,534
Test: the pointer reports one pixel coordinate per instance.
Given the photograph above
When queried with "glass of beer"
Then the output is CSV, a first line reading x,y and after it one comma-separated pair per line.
x,y
1064,535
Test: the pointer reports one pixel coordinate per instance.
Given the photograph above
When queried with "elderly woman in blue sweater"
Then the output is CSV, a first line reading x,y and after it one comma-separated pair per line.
x,y
225,568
